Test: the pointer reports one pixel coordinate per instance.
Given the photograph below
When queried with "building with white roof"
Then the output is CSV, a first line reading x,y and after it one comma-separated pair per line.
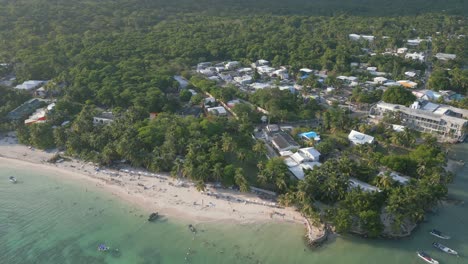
x,y
447,123
445,56
243,80
217,110
29,85
359,138
402,50
415,56
355,183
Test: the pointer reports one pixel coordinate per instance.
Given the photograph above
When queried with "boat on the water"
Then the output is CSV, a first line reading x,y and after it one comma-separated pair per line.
x,y
153,217
438,234
103,247
444,248
13,179
424,256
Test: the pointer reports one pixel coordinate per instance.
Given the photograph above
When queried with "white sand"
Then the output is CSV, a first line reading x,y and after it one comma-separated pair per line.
x,y
151,193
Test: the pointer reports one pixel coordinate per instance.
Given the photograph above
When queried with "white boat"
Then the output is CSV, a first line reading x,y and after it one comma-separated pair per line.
x,y
427,258
438,234
13,179
444,248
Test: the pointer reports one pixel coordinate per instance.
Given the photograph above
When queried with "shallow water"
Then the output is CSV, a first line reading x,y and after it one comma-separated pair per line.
x,y
46,219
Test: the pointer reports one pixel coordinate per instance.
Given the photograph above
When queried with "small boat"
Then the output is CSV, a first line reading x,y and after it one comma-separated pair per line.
x,y
13,179
153,217
192,228
438,234
444,248
427,258
103,247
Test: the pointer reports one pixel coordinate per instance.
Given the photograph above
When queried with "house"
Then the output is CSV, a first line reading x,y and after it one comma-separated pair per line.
x,y
398,128
225,77
231,65
272,128
410,74
233,103
260,63
284,142
359,138
103,118
309,154
407,84
25,109
29,85
347,78
380,80
260,86
217,110
445,56
414,42
265,69
281,73
243,80
306,71
192,91
402,50
203,65
415,56
209,101
355,183
371,69
298,169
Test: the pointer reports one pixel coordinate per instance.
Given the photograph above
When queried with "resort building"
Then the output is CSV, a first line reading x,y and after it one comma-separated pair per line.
x,y
448,124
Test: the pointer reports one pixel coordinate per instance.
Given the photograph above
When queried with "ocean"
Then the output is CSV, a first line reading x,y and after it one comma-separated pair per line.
x,y
48,219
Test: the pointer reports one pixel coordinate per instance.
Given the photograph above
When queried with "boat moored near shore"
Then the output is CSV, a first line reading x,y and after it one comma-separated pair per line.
x,y
444,248
438,234
424,256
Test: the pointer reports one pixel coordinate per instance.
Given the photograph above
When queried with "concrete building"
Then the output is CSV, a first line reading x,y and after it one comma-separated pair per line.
x,y
447,123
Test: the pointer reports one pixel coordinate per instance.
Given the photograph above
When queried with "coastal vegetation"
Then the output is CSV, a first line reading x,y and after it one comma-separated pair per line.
x,y
122,56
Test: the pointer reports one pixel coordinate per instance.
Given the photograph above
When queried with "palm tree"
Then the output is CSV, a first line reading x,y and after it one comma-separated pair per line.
x,y
217,171
241,181
227,143
200,185
177,168
259,147
385,181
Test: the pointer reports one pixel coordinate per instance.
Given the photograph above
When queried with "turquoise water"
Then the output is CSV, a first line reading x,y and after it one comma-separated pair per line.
x,y
47,219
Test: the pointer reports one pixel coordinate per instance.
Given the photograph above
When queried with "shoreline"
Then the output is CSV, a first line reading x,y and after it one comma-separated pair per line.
x,y
160,193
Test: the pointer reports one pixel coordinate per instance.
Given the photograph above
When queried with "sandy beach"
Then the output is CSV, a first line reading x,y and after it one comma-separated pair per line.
x,y
152,192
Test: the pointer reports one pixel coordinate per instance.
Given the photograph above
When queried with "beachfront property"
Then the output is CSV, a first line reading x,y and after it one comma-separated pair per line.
x,y
25,109
358,37
284,143
447,123
303,159
358,138
103,118
40,115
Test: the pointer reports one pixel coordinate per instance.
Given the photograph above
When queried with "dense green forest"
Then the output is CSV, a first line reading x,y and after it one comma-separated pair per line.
x,y
122,55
